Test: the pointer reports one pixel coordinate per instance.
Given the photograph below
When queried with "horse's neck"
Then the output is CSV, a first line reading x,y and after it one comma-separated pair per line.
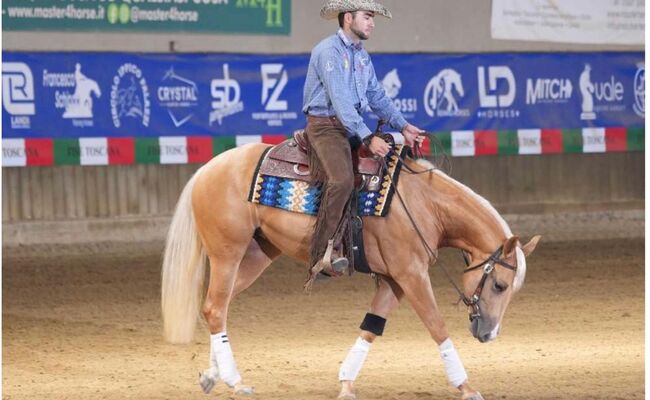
x,y
464,219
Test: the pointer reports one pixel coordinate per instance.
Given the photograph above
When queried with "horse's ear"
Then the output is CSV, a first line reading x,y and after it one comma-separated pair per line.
x,y
530,246
509,246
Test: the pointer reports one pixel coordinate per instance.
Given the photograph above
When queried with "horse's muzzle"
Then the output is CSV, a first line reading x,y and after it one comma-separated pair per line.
x,y
482,332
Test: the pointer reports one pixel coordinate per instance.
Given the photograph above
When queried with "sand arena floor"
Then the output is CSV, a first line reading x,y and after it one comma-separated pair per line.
x,y
83,322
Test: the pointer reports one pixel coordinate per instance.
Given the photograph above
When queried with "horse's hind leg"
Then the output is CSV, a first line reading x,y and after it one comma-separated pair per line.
x,y
256,259
386,299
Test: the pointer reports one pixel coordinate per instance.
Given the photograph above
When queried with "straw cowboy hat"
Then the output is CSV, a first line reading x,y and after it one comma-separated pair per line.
x,y
332,8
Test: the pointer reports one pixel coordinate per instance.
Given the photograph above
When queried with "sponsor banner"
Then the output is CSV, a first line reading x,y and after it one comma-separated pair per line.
x,y
235,16
570,21
85,95
22,152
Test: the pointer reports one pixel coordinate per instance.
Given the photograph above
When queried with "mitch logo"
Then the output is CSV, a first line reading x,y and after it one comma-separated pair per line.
x,y
18,93
488,91
274,79
548,91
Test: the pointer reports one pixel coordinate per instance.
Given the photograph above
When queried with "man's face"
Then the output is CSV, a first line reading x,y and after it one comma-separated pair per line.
x,y
363,22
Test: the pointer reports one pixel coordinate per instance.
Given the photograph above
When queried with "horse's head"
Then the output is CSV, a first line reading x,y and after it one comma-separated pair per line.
x,y
490,281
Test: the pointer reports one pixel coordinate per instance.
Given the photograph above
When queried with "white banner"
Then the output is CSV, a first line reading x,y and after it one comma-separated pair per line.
x,y
570,21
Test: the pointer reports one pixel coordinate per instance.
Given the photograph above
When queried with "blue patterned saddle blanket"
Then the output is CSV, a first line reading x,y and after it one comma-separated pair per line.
x,y
290,193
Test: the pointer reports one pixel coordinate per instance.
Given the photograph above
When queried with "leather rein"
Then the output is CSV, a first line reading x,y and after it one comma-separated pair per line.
x,y
488,264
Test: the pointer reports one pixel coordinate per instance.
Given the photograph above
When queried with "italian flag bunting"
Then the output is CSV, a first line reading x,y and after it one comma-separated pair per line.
x,y
21,152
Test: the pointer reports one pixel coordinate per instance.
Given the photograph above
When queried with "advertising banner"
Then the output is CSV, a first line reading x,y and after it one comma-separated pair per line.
x,y
570,21
268,17
535,103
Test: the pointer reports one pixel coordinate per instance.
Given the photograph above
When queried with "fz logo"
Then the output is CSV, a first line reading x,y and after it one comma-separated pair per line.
x,y
17,89
491,95
274,79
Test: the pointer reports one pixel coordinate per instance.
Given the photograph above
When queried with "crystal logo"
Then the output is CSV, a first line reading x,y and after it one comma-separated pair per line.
x,y
226,95
496,74
548,91
639,90
274,79
179,96
18,93
77,105
130,96
392,86
441,92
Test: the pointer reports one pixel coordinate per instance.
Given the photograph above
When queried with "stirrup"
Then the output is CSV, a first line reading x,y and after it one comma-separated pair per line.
x,y
334,268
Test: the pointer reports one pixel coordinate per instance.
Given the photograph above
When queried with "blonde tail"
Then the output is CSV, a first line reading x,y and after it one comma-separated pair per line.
x,y
183,271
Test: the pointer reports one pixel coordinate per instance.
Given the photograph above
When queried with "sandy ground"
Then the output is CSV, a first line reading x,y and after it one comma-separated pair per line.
x,y
83,322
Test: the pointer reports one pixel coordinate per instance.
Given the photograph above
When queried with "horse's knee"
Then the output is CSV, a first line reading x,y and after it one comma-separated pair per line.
x,y
214,316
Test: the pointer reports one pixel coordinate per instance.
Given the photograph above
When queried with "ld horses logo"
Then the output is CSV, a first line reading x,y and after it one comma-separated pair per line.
x,y
130,96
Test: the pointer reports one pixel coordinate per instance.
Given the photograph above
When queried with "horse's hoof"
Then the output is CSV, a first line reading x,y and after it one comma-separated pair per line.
x,y
475,396
208,379
244,391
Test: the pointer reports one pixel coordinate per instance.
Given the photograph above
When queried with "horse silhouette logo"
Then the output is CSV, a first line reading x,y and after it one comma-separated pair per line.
x,y
439,94
392,84
587,90
130,96
80,104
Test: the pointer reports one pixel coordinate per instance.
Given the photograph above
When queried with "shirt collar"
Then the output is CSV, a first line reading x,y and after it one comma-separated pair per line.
x,y
347,42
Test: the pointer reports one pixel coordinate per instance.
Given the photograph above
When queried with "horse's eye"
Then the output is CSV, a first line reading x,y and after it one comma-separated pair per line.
x,y
500,287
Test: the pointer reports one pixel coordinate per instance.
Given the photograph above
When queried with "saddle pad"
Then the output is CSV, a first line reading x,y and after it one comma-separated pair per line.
x,y
302,197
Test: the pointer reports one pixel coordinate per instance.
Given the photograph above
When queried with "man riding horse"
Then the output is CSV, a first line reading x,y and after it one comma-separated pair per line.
x,y
341,84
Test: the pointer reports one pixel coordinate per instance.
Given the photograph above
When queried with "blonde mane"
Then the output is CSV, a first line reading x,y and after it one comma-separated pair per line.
x,y
521,259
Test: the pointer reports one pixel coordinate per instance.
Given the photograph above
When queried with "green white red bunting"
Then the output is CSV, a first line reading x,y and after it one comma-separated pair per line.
x,y
200,149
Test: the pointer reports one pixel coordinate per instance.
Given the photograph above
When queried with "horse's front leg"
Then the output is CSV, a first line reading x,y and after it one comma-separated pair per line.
x,y
417,288
386,300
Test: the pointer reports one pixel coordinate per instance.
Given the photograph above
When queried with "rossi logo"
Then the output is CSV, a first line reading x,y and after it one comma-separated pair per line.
x,y
226,95
392,85
18,93
130,96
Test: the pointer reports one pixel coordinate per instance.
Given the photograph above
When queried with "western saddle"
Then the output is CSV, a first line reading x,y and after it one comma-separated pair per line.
x,y
290,159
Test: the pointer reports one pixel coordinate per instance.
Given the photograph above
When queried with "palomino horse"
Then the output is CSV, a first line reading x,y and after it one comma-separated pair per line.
x,y
215,225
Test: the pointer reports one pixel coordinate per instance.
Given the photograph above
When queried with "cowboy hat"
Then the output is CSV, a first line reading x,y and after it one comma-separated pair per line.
x,y
332,8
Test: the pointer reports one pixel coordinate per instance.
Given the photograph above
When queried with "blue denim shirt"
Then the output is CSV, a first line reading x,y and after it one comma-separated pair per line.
x,y
341,81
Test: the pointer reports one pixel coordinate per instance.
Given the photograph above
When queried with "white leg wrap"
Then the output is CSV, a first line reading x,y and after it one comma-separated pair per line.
x,y
354,361
455,371
221,352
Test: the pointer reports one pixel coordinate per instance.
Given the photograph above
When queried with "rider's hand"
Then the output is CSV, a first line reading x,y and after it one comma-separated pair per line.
x,y
412,134
378,146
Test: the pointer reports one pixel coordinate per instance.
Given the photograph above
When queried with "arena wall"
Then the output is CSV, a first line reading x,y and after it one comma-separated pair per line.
x,y
512,183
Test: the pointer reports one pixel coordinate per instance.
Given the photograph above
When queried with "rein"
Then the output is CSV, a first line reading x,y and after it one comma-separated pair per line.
x,y
488,264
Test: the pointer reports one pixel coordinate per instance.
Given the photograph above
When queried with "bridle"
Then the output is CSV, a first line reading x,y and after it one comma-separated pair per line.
x,y
488,264
488,267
